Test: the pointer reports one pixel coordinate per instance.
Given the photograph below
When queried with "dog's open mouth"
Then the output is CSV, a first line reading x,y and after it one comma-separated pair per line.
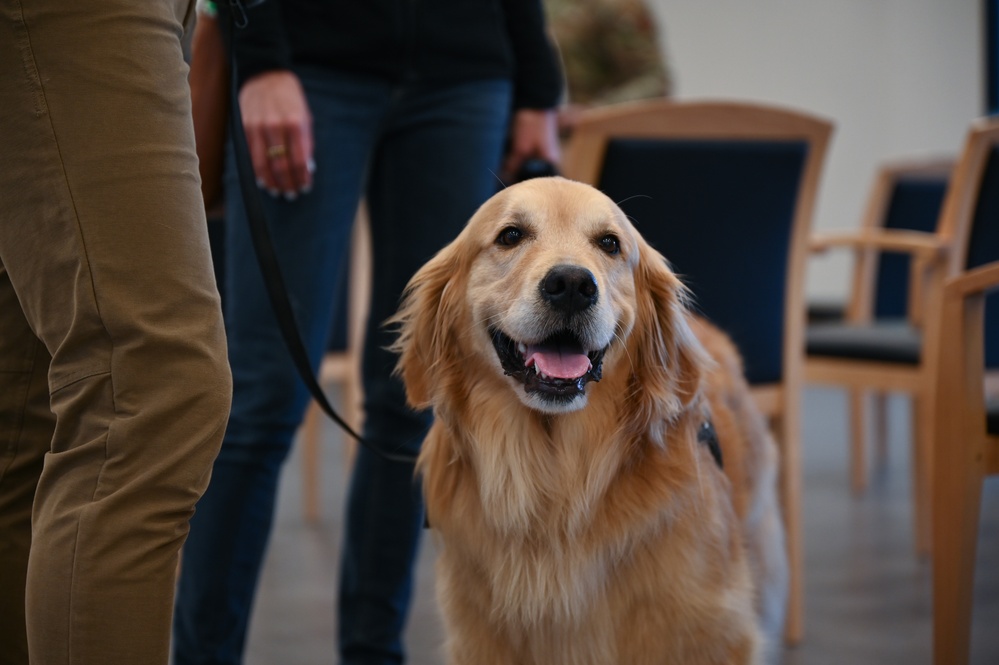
x,y
558,368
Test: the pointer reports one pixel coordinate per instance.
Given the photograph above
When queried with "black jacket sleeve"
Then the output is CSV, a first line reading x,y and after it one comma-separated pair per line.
x,y
261,45
538,82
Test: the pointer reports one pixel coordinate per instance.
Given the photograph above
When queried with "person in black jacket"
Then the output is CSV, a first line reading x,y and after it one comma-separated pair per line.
x,y
410,104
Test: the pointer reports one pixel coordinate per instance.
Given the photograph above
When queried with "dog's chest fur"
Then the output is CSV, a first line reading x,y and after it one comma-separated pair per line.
x,y
563,513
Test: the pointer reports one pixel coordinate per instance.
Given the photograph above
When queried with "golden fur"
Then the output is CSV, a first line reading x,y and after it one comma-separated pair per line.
x,y
590,527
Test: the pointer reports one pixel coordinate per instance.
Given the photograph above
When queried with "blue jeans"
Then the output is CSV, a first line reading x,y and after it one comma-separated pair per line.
x,y
424,156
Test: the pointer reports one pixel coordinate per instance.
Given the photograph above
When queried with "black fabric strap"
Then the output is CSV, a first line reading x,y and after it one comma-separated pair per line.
x,y
709,437
269,265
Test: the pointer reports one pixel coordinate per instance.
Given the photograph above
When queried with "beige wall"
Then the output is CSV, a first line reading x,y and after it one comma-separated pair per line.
x,y
898,77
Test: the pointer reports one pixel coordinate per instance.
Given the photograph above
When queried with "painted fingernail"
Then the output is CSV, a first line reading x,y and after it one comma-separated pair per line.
x,y
290,196
307,188
261,184
273,192
311,165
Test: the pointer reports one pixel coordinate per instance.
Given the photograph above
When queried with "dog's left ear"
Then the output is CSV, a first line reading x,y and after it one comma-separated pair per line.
x,y
667,357
427,322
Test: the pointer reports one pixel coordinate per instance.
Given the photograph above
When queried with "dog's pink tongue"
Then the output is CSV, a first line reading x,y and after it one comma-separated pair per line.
x,y
560,362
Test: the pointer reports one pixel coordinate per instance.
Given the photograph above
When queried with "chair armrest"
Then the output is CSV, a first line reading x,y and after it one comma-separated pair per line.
x,y
975,281
919,243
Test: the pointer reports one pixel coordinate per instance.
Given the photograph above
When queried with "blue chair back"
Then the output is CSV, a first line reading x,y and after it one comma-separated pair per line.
x,y
722,213
914,205
983,247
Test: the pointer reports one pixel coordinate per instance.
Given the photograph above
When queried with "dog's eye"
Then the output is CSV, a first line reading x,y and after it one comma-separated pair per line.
x,y
610,244
510,236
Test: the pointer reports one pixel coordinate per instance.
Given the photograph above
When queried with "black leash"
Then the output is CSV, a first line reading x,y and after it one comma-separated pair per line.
x,y
709,437
264,248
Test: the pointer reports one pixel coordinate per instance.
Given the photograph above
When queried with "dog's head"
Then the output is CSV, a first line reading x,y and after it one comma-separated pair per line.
x,y
548,289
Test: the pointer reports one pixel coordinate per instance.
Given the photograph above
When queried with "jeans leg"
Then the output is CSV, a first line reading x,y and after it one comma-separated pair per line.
x,y
434,166
231,528
384,521
214,598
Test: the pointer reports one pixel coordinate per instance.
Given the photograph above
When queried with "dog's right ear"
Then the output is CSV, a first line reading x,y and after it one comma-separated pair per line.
x,y
668,358
428,321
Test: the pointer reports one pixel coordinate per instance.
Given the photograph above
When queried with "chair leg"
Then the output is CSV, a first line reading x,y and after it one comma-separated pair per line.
x,y
858,440
957,503
879,419
311,444
922,469
790,491
310,463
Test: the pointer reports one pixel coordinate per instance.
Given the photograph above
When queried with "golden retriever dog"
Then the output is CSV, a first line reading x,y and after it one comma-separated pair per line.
x,y
587,513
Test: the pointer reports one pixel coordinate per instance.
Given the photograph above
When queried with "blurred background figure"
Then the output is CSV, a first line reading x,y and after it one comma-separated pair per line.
x,y
611,53
412,107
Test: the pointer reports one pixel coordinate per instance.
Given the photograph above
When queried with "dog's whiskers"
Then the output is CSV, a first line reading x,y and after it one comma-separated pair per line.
x,y
634,196
498,179
489,321
620,338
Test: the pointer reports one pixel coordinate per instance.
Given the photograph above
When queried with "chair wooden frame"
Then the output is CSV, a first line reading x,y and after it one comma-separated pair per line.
x,y
860,307
343,367
861,304
965,454
936,257
733,121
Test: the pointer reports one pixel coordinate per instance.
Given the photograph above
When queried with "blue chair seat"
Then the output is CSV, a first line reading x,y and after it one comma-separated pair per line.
x,y
889,340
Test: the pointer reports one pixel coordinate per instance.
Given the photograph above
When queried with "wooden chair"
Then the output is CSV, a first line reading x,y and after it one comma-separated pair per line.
x,y
340,365
888,356
966,449
726,191
906,195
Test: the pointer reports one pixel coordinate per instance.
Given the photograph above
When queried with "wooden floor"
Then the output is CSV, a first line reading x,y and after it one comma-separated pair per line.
x,y
868,596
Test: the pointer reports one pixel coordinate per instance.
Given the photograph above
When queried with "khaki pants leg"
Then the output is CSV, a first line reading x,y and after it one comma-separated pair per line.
x,y
106,294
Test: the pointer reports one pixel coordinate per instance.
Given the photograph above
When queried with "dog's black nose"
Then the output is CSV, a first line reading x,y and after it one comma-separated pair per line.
x,y
569,288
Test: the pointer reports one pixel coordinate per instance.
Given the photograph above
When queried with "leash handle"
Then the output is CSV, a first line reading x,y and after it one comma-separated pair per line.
x,y
267,257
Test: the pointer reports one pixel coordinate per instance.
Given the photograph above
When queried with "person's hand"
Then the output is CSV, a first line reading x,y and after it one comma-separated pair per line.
x,y
278,128
534,134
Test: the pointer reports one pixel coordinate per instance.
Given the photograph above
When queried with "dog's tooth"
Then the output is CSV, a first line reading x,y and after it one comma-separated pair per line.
x,y
522,348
